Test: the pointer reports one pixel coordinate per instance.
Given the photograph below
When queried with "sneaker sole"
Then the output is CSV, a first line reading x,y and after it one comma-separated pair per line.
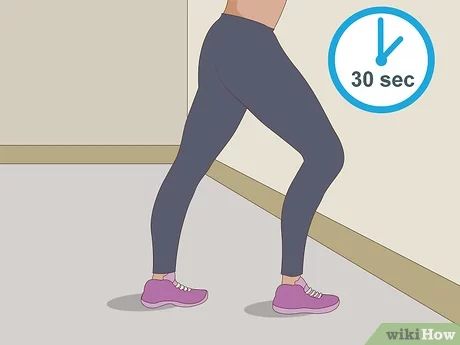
x,y
305,310
174,303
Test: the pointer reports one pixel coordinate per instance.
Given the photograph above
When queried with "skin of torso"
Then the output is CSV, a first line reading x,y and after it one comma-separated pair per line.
x,y
267,12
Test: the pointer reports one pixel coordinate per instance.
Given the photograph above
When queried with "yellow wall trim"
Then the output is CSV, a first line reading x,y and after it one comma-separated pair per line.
x,y
88,154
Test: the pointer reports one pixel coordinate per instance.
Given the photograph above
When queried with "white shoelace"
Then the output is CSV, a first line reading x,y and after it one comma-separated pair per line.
x,y
313,293
182,287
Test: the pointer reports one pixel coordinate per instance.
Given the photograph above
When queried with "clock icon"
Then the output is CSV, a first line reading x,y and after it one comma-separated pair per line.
x,y
381,59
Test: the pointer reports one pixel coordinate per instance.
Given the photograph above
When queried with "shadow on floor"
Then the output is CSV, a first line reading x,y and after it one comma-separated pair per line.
x,y
131,303
264,309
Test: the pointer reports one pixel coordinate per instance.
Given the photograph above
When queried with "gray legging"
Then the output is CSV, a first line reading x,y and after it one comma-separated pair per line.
x,y
243,67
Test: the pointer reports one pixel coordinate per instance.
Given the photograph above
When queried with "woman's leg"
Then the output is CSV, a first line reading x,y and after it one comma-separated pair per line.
x,y
263,78
213,119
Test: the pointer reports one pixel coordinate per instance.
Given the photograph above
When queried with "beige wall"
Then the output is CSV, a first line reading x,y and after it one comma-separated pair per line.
x,y
92,71
400,184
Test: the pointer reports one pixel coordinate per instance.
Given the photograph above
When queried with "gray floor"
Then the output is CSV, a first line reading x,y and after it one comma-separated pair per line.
x,y
75,253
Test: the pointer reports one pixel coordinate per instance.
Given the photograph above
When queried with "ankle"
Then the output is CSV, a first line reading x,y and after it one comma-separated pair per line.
x,y
289,280
159,276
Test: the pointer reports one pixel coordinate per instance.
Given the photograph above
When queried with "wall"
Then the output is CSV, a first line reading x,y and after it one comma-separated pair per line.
x,y
399,185
92,71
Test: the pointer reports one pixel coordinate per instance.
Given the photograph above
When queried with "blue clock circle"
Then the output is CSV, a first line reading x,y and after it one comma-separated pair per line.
x,y
385,109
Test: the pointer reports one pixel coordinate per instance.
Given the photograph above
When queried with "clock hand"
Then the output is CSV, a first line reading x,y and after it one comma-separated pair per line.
x,y
382,55
380,49
394,45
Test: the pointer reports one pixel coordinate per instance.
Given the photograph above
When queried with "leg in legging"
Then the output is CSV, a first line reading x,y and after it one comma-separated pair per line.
x,y
212,121
269,85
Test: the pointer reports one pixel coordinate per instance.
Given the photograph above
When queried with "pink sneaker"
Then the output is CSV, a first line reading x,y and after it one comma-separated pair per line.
x,y
300,298
158,293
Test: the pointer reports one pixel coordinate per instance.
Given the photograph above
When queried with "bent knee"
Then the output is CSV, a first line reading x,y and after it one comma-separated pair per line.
x,y
328,158
337,158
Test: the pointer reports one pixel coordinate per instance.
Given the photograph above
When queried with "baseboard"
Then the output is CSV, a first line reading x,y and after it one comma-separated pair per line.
x,y
416,281
87,154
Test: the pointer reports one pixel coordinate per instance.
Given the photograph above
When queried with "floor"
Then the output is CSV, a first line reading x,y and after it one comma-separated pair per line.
x,y
75,252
